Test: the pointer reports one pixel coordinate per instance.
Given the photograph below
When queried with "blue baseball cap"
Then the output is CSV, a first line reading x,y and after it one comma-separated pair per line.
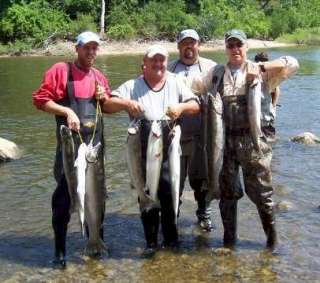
x,y
86,37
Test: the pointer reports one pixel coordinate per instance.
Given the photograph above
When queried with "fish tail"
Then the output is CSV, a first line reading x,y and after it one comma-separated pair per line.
x,y
95,248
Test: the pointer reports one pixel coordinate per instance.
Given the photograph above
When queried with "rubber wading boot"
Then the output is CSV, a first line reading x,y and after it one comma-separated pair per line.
x,y
228,211
60,233
269,227
205,224
203,212
150,222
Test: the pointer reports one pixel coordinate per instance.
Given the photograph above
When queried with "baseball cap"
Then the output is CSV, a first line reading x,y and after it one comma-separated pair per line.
x,y
188,33
156,49
235,33
87,36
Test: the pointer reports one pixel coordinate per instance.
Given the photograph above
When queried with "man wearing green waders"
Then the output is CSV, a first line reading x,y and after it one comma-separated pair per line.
x,y
71,91
233,82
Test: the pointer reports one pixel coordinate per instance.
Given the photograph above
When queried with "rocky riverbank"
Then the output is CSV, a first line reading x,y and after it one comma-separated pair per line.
x,y
66,48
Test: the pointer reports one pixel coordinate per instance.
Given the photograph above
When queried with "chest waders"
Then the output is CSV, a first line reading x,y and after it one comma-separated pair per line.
x,y
151,219
85,108
239,151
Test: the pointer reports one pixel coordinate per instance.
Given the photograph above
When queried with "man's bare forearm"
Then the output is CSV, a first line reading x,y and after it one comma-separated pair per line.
x,y
114,104
55,108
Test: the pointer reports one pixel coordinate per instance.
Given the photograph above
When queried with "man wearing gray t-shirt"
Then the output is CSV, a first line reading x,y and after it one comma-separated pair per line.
x,y
188,65
156,95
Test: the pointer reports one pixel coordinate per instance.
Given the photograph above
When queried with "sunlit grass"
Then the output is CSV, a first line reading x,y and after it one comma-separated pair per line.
x,y
302,36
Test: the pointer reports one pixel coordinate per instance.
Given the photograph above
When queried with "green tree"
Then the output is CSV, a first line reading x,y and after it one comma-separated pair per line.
x,y
31,22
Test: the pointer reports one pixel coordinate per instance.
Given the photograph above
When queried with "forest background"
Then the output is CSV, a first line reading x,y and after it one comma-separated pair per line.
x,y
26,24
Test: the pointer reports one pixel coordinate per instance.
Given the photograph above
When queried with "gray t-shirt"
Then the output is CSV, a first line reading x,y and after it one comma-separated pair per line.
x,y
191,124
187,70
155,103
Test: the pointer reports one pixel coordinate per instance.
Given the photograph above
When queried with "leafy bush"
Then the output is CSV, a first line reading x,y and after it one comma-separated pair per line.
x,y
4,49
36,20
302,36
164,19
82,23
216,17
121,31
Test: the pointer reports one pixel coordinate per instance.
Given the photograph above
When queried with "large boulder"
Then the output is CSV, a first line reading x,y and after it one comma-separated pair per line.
x,y
8,150
306,138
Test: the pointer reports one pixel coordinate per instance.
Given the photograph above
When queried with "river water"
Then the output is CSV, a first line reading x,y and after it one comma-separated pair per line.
x,y
26,186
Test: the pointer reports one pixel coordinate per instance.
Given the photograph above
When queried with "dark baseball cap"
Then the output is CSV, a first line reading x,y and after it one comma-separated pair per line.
x,y
237,34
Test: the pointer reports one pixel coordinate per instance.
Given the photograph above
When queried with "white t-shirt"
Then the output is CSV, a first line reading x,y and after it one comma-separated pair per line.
x,y
155,103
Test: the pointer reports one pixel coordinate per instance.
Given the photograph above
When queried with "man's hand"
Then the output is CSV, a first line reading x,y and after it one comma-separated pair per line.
x,y
100,93
73,120
134,108
174,112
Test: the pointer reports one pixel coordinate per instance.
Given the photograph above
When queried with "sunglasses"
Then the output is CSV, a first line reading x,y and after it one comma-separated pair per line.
x,y
233,45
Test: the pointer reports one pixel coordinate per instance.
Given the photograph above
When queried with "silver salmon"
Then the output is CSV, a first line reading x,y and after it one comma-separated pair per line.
x,y
215,145
174,153
81,165
68,157
134,165
254,112
154,160
94,199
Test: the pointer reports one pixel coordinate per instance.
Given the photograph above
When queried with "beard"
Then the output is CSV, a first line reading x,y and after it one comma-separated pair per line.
x,y
189,54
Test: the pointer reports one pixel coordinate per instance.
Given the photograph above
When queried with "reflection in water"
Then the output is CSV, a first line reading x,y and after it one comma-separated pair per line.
x,y
26,186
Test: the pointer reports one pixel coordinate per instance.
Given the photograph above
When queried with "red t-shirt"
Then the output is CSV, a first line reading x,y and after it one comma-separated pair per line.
x,y
54,84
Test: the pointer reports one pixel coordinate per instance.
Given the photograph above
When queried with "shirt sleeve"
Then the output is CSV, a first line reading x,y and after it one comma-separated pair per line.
x,y
105,83
52,87
275,77
185,92
123,91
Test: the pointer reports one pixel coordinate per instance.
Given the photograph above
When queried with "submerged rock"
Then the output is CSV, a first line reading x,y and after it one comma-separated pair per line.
x,y
284,206
222,251
8,150
306,138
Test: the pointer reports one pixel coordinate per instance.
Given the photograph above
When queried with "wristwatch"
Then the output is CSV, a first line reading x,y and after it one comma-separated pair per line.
x,y
262,68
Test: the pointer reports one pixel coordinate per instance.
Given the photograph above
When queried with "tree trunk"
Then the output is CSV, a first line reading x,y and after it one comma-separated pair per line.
x,y
103,11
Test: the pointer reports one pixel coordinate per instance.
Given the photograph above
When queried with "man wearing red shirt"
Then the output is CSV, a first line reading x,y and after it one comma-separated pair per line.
x,y
71,92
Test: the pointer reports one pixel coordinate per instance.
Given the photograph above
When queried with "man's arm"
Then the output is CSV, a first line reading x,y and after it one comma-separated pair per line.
x,y
190,107
275,71
116,104
54,108
275,94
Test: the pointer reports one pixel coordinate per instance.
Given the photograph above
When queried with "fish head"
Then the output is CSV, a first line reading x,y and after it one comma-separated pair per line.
x,y
92,152
156,128
134,127
65,132
176,132
218,104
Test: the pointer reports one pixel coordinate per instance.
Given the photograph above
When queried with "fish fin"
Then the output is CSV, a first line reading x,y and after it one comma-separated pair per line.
x,y
95,248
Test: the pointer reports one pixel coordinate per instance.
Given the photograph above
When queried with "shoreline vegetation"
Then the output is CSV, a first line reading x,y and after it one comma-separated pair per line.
x,y
30,26
67,48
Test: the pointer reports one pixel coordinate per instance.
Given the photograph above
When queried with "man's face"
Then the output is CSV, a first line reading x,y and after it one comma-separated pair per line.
x,y
87,54
188,49
236,51
155,66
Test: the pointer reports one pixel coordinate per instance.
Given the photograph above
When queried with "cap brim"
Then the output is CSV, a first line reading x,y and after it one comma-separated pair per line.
x,y
188,36
236,37
152,54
